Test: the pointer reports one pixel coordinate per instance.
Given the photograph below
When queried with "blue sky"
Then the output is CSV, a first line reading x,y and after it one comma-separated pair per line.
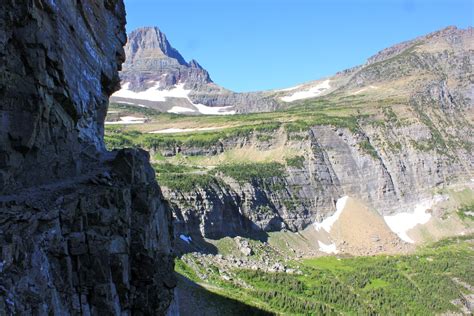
x,y
249,45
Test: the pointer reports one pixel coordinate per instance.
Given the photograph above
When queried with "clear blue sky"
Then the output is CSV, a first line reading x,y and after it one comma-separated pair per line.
x,y
251,45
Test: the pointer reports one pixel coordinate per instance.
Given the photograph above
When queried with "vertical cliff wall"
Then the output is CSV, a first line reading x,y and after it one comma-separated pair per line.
x,y
59,63
82,231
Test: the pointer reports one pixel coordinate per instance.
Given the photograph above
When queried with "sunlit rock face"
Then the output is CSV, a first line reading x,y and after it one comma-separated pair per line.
x,y
82,231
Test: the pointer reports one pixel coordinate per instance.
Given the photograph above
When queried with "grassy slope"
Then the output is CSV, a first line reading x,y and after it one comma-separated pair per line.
x,y
419,284
293,123
282,128
354,112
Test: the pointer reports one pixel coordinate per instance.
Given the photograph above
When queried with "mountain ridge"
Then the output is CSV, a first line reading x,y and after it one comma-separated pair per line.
x,y
425,53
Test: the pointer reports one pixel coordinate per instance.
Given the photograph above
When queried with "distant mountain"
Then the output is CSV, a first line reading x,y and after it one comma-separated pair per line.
x,y
437,66
434,67
150,57
155,75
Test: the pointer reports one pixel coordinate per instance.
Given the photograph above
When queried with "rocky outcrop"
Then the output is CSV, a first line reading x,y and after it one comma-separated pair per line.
x,y
82,231
54,96
93,245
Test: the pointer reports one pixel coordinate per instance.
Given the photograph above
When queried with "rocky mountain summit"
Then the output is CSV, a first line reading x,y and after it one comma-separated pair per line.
x,y
83,231
155,75
150,57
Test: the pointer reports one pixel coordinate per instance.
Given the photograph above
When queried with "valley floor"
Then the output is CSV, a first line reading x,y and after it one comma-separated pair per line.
x,y
436,279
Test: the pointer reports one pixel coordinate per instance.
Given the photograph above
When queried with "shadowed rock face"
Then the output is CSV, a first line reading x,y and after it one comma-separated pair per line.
x,y
82,231
59,63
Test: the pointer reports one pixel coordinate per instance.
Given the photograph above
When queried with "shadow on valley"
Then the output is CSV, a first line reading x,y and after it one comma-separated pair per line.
x,y
188,237
203,246
197,244
193,299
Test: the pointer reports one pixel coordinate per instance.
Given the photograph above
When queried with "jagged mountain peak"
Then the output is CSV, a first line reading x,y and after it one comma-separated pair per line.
x,y
194,64
150,43
152,61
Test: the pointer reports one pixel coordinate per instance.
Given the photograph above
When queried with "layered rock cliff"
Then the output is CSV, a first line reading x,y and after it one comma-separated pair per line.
x,y
82,231
383,167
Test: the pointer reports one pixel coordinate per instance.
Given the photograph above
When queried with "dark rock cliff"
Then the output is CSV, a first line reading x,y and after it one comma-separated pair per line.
x,y
82,231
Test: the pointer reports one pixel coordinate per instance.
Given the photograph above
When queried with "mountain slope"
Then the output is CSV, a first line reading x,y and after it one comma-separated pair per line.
x,y
438,64
377,159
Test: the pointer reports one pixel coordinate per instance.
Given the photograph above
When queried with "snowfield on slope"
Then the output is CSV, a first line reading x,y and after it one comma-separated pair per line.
x,y
153,93
214,110
306,94
401,223
130,103
180,110
156,95
331,248
128,120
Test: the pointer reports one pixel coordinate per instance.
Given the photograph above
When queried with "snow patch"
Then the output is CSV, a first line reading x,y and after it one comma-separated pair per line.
x,y
156,95
128,120
183,130
214,110
179,110
153,93
331,248
186,239
401,223
311,93
328,222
